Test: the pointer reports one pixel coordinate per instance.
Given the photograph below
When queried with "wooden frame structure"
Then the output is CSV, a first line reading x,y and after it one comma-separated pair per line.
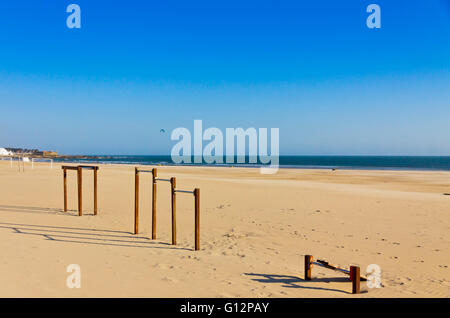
x,y
10,160
154,173
79,170
354,272
196,194
33,159
174,191
19,160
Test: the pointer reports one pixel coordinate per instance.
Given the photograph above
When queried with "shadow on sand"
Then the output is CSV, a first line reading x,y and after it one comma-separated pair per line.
x,y
39,210
79,235
296,282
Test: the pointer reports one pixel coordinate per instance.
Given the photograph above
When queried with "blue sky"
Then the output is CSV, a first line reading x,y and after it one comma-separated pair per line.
x,y
311,68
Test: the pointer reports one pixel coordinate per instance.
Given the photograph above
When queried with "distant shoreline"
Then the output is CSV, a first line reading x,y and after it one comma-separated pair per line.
x,y
399,163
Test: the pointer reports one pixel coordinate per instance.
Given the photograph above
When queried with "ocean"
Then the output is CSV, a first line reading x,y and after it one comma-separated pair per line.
x,y
300,162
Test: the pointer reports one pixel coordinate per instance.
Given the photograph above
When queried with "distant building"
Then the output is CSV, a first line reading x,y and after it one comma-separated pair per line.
x,y
17,151
4,152
46,153
28,152
50,153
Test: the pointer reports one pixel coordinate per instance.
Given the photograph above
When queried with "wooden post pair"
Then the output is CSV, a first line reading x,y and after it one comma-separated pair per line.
x,y
173,198
354,273
79,170
355,278
154,173
196,194
19,165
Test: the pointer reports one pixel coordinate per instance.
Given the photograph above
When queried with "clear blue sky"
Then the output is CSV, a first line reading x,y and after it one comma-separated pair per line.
x,y
311,68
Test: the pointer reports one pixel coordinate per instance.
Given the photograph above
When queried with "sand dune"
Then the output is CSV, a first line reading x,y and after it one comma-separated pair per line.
x,y
255,230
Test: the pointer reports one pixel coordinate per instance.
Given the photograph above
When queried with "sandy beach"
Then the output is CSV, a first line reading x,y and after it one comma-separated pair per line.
x,y
255,231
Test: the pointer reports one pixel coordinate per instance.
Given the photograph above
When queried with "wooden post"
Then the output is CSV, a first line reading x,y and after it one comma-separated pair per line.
x,y
355,274
80,192
197,218
65,189
154,176
308,263
173,183
95,190
136,200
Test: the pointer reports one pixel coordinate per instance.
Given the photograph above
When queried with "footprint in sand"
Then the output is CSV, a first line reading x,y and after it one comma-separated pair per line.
x,y
169,279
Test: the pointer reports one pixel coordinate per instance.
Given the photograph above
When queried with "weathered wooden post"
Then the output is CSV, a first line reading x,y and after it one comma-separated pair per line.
x,y
154,176
136,200
173,183
95,190
65,188
80,192
308,263
355,276
197,218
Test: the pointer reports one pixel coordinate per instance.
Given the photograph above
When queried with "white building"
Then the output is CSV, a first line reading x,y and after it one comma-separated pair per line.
x,y
4,152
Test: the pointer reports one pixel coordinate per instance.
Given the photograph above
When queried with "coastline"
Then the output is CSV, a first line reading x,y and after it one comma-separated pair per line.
x,y
153,161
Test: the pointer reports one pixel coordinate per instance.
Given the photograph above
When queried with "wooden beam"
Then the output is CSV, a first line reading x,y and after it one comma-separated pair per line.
x,y
95,190
173,183
336,268
65,189
89,167
154,176
308,264
197,218
69,167
136,201
355,279
80,192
